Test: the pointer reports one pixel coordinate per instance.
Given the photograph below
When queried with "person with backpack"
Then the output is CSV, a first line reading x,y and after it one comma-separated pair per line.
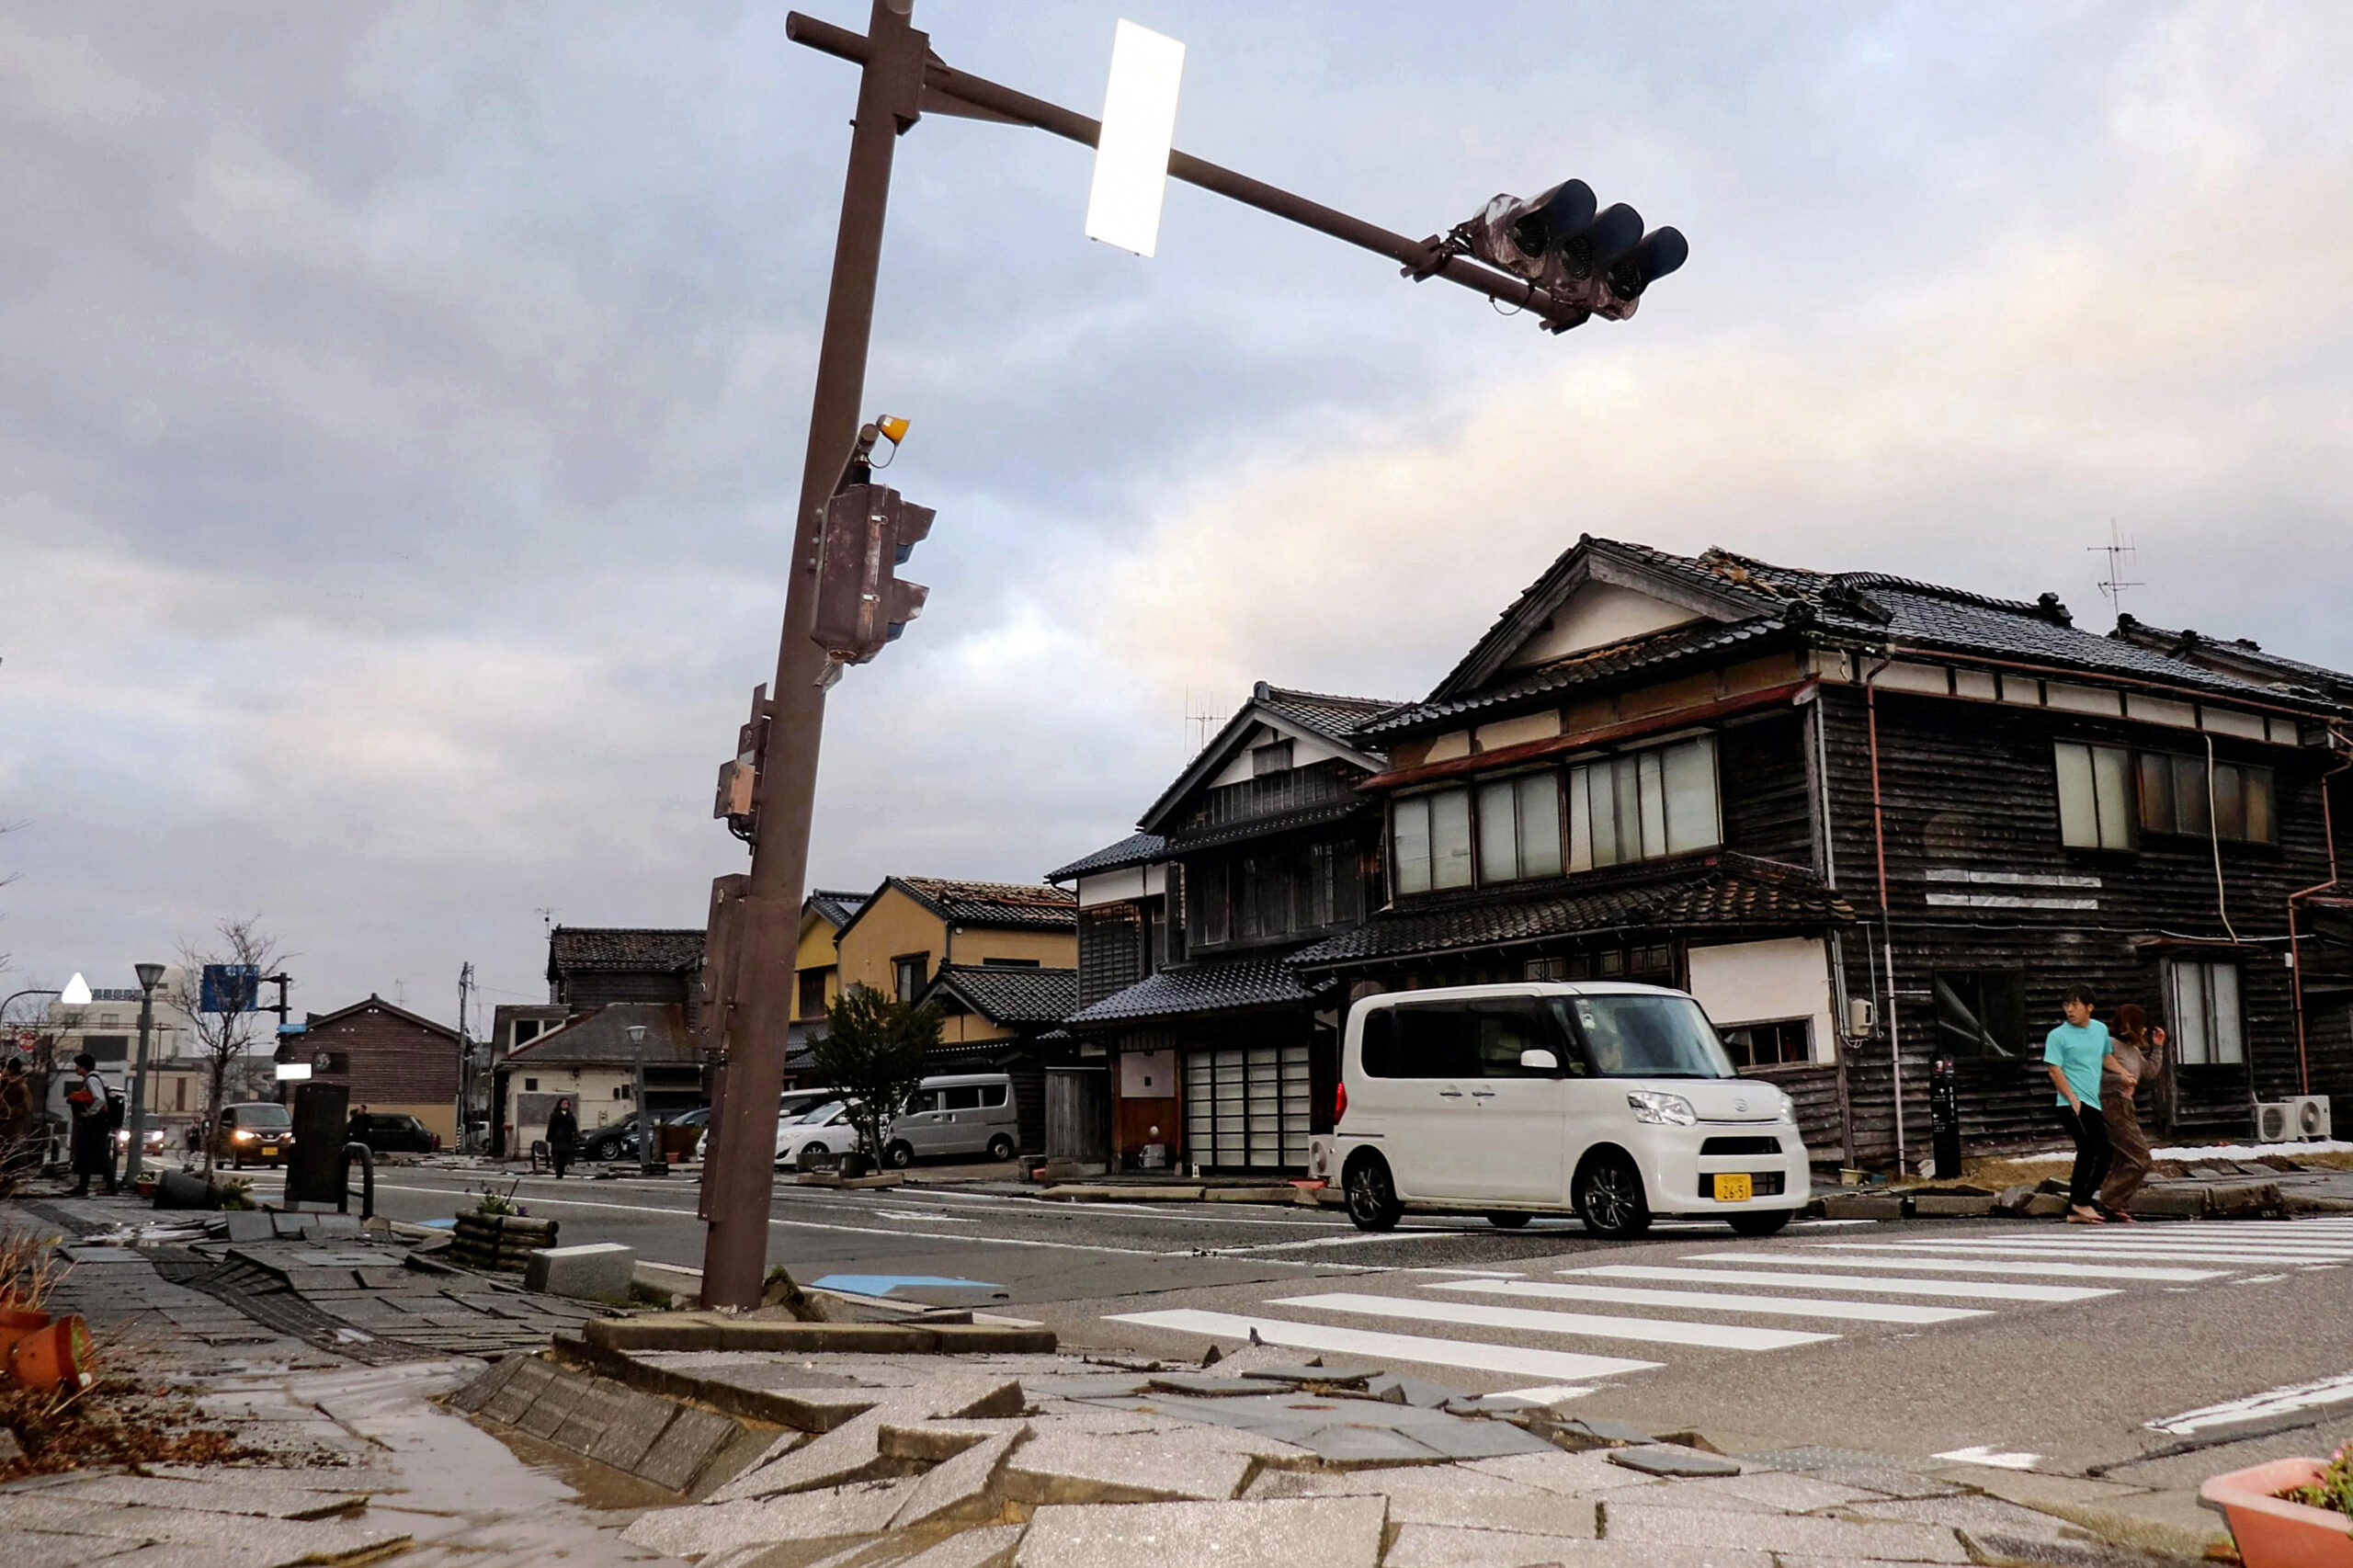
x,y
96,1112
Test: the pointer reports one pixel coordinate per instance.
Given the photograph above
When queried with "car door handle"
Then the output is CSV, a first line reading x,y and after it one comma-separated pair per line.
x,y
1483,1094
1449,1093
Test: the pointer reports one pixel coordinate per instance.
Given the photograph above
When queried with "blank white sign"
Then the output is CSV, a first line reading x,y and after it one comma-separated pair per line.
x,y
1138,128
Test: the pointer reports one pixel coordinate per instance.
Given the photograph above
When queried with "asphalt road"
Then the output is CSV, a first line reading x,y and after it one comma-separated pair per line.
x,y
1922,1338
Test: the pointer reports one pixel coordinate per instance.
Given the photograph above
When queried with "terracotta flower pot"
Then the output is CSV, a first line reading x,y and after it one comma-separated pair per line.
x,y
2272,1532
53,1357
15,1324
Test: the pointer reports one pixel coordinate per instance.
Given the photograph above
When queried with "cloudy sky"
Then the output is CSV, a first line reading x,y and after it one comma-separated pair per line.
x,y
401,408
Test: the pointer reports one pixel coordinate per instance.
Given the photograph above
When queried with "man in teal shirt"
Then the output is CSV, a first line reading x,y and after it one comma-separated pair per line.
x,y
2074,1054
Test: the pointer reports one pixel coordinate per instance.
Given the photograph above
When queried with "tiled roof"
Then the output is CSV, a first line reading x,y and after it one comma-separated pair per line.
x,y
837,907
2243,653
993,904
1213,985
1597,664
659,949
1721,890
603,1037
1754,599
1261,827
1136,849
376,1003
1333,719
1009,994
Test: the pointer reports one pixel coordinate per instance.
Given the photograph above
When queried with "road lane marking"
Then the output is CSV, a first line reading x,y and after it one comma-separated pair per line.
x,y
1717,1301
2116,1254
1467,1314
1991,1458
1382,1348
2270,1402
1474,1273
1976,1290
1963,1266
1353,1241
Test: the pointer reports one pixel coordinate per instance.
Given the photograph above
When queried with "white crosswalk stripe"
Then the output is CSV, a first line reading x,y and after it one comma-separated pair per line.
x,y
1972,1265
1979,1290
1382,1348
1720,1301
1654,1331
1698,1302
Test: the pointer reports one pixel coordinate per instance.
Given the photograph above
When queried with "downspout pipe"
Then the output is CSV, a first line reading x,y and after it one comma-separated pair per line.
x,y
2295,952
1886,925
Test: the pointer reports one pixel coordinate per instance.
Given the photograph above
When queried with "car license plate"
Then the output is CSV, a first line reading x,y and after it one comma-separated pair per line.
x,y
272,1149
1734,1188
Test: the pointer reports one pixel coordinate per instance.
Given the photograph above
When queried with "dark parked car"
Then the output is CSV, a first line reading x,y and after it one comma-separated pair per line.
x,y
389,1133
618,1141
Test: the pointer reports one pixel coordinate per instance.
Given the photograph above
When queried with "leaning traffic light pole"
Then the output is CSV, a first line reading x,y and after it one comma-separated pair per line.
x,y
1555,256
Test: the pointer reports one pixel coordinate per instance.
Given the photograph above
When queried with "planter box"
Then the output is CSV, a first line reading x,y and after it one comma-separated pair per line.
x,y
499,1241
2272,1532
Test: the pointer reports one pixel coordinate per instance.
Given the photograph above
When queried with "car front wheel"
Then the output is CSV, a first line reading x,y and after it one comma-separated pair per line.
x,y
1609,1199
899,1155
1373,1197
1000,1147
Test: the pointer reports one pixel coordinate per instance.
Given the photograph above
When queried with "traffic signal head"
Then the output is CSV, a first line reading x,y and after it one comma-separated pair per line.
x,y
869,531
1660,252
1551,217
1588,261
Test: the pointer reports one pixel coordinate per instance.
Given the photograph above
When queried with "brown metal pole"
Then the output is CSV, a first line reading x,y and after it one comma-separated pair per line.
x,y
760,981
949,91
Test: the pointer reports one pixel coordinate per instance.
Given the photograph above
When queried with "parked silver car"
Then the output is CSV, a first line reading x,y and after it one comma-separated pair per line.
x,y
966,1113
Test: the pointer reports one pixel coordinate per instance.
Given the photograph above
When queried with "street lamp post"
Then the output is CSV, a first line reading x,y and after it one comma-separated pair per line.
x,y
133,1157
648,1160
1563,266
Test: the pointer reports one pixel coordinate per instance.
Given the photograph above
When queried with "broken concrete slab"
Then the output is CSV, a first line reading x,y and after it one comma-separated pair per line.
x,y
936,1442
1204,1385
250,1225
711,1331
1187,1463
1800,1534
1671,1459
989,1547
702,1528
1153,1193
1311,1532
1569,1475
1599,1432
1857,1206
2236,1200
959,1489
2164,1202
1952,1206
1305,1373
1429,1545
592,1271
686,1448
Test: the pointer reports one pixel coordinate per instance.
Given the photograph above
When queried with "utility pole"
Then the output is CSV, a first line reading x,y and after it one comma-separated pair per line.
x,y
1559,258
465,1062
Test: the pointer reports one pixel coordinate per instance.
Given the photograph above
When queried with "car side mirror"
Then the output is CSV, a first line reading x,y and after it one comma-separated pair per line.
x,y
1536,1058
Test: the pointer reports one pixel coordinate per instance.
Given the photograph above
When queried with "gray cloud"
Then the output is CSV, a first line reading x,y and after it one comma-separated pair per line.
x,y
401,408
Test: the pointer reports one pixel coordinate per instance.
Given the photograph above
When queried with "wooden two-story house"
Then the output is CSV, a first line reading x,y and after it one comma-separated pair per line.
x,y
1221,1056
1869,823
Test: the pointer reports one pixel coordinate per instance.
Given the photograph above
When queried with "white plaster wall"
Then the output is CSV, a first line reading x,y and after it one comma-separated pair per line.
x,y
1755,983
1599,613
1304,748
1148,1075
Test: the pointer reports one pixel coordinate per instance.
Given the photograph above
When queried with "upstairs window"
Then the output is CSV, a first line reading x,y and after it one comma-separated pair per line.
x,y
1519,828
1432,838
1644,805
813,994
2094,796
2208,1029
1273,758
2175,799
909,972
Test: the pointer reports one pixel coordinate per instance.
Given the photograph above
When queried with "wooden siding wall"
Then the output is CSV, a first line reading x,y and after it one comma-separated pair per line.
x,y
1972,786
391,1059
1110,950
1815,1087
584,989
1762,779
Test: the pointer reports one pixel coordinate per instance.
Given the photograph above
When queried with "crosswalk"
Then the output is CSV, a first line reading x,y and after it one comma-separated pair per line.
x,y
1783,1295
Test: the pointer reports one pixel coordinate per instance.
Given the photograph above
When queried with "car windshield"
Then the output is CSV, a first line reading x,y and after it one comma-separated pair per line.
x,y
825,1112
261,1116
1644,1037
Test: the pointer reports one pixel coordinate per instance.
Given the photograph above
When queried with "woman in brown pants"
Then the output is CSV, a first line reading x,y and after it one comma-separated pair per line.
x,y
2139,1053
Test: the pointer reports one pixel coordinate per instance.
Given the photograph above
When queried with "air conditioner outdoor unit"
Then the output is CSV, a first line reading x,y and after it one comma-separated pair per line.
x,y
2290,1120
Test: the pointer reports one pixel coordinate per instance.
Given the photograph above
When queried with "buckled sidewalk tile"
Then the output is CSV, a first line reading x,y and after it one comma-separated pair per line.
x,y
958,1488
1802,1534
1432,1546
1310,1532
699,1529
1572,1475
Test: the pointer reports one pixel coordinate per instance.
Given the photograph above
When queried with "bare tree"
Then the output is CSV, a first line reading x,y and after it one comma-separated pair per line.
x,y
224,1040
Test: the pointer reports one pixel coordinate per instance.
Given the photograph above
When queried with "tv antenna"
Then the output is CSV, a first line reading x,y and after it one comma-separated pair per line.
x,y
1203,721
546,914
2122,556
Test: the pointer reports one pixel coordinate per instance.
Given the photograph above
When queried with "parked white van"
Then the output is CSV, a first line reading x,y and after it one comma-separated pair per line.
x,y
1614,1102
965,1113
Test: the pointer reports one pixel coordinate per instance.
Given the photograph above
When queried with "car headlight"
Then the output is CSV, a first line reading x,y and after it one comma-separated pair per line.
x,y
242,1137
1789,1111
1652,1106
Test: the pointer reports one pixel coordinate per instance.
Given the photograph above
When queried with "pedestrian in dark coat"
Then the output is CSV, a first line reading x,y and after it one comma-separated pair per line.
x,y
563,1132
87,1097
2138,1054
